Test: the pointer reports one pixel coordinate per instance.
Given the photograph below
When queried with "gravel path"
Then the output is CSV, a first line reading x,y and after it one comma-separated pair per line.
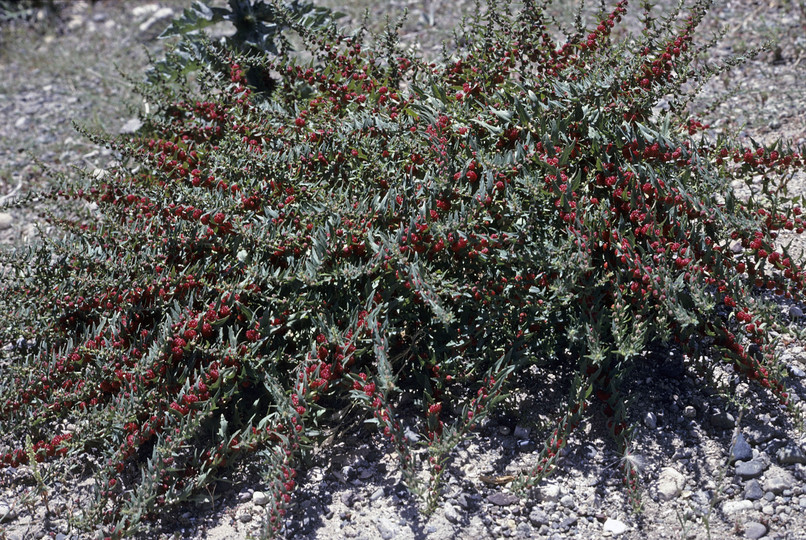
x,y
695,488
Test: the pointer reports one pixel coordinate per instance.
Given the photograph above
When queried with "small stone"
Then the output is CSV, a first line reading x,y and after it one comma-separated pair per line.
x,y
749,469
670,484
651,420
550,493
790,455
462,500
6,513
5,220
20,122
504,430
386,528
244,497
795,312
735,507
377,494
260,498
538,517
722,420
615,527
521,432
502,499
245,517
741,450
526,445
753,491
690,412
568,501
777,480
737,248
451,514
754,530
348,498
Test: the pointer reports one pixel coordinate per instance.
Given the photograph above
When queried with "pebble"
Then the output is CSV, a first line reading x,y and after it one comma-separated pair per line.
x,y
245,517
790,455
777,480
734,507
741,450
690,411
722,420
753,491
754,530
502,499
244,497
538,517
749,469
451,514
260,498
795,312
550,493
386,528
521,432
568,501
5,220
651,420
377,494
6,513
615,527
670,484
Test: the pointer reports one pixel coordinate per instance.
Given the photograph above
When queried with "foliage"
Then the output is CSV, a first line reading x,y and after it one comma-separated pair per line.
x,y
385,224
258,30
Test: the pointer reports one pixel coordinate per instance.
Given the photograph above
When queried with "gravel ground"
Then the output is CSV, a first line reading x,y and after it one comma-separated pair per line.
x,y
696,487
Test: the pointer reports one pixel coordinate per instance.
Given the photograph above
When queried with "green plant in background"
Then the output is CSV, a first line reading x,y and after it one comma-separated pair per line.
x,y
259,30
385,224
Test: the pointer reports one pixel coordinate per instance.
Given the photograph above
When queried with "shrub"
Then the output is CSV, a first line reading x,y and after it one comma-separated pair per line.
x,y
383,223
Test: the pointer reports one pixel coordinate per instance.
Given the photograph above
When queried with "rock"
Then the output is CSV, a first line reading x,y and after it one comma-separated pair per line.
x,y
568,501
348,498
451,514
651,420
521,432
502,499
749,469
538,517
777,480
722,420
735,507
615,526
754,529
741,450
20,122
761,434
386,528
377,494
753,491
795,312
462,500
526,445
245,517
260,498
6,513
5,221
550,493
504,430
244,497
690,412
790,455
670,484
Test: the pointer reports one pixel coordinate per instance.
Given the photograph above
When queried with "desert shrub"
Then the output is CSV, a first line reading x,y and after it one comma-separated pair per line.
x,y
384,224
